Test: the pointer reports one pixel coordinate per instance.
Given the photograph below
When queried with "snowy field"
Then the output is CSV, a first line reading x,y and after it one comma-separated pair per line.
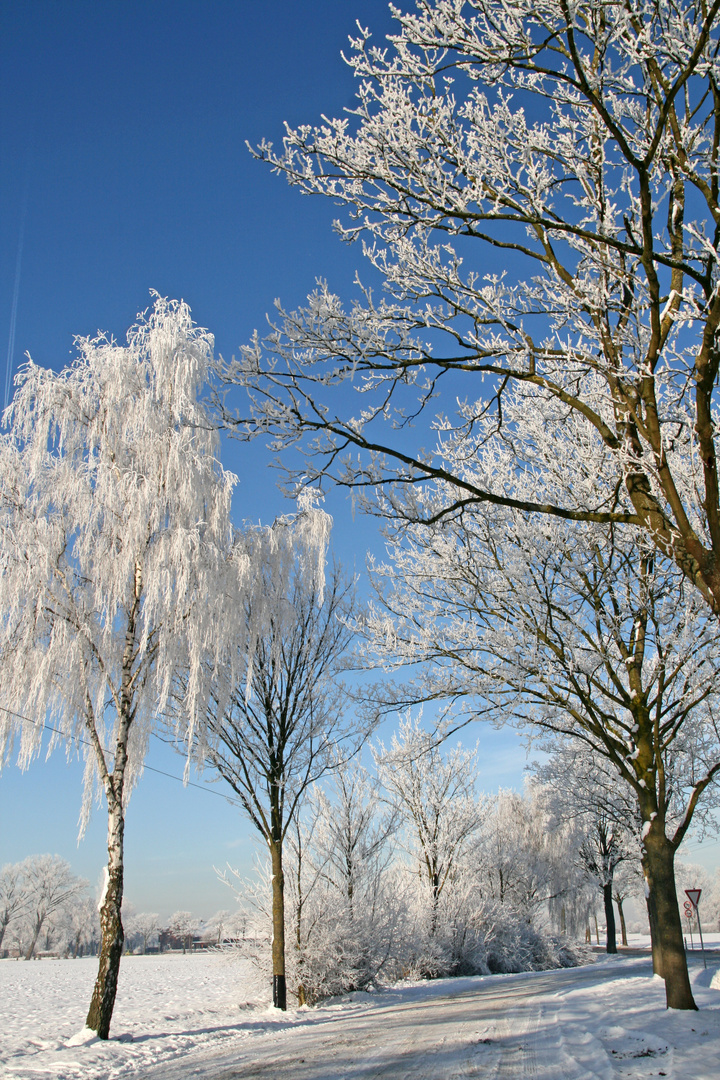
x,y
185,1016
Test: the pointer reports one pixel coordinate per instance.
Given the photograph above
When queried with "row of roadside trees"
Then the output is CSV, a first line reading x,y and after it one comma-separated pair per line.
x,y
408,869
535,343
272,716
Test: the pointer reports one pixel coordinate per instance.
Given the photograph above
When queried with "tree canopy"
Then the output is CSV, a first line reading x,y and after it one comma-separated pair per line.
x,y
536,189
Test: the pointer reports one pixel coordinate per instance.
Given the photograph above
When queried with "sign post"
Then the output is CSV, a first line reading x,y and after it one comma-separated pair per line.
x,y
689,912
693,896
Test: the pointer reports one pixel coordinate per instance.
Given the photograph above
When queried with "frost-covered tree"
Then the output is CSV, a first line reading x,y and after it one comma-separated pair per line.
x,y
215,928
114,543
434,792
603,849
51,887
183,925
284,709
585,633
627,883
524,853
585,791
346,908
145,926
81,927
537,191
13,896
352,830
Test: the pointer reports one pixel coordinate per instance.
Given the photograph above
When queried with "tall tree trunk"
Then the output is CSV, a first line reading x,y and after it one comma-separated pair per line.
x,y
278,918
301,991
435,900
36,934
659,866
111,928
623,927
611,942
652,923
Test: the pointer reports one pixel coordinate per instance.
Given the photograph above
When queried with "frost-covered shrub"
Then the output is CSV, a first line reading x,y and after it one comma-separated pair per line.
x,y
514,945
344,952
482,937
348,908
330,949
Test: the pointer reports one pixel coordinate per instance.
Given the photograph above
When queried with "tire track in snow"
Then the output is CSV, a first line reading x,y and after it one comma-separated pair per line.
x,y
502,1030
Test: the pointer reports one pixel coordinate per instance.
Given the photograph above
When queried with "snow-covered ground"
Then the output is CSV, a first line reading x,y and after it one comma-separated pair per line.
x,y
181,1016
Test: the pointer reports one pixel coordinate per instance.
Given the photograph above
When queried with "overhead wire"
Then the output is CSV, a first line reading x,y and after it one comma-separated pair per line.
x,y
150,768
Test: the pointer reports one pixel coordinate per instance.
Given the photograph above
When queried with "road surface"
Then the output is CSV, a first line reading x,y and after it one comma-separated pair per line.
x,y
546,1026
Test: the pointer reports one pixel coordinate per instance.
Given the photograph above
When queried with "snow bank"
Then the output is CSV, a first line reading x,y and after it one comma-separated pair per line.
x,y
166,1006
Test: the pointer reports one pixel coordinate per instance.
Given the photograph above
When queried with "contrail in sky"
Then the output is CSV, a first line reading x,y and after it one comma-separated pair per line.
x,y
13,309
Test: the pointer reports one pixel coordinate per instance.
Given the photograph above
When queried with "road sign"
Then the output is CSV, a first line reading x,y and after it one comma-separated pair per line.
x,y
689,910
693,896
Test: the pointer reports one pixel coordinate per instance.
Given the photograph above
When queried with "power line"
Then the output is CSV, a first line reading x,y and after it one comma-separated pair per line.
x,y
204,787
150,768
701,845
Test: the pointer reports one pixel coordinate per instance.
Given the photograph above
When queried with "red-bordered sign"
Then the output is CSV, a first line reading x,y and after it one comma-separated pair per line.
x,y
693,896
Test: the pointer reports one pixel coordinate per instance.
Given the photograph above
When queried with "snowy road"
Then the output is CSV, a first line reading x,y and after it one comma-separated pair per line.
x,y
564,1024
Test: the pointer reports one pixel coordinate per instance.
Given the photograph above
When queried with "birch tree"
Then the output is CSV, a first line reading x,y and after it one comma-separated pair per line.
x,y
536,189
285,710
115,542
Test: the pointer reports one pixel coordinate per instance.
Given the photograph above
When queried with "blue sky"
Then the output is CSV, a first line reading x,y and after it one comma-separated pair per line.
x,y
123,167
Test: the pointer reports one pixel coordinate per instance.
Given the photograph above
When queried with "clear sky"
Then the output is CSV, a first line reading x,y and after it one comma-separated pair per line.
x,y
123,167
